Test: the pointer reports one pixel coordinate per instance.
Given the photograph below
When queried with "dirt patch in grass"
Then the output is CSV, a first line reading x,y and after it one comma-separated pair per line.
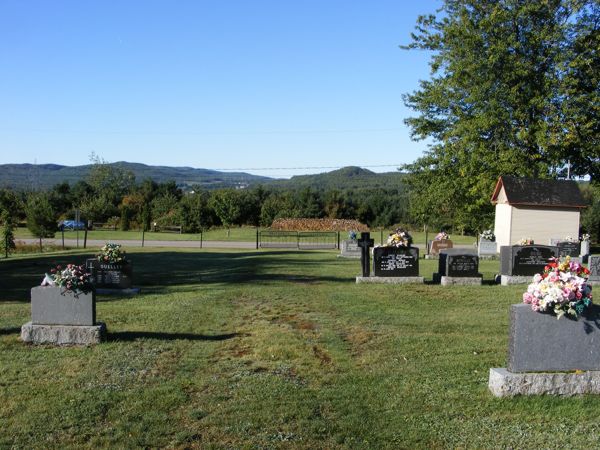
x,y
321,355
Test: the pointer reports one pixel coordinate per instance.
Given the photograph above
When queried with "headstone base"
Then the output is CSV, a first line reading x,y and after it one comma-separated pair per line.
x,y
390,280
506,280
593,282
349,256
110,291
460,281
503,383
63,334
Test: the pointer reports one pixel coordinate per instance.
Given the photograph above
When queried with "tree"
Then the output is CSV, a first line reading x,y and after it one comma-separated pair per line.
x,y
496,102
41,218
228,207
7,237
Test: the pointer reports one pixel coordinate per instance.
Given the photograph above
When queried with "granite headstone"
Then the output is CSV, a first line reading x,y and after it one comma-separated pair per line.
x,y
525,260
396,262
110,276
458,263
568,248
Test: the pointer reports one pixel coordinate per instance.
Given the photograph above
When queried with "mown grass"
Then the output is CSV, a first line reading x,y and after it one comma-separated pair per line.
x,y
277,349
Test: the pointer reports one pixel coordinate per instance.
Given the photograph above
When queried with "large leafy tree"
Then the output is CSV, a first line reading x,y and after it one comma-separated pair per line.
x,y
504,76
41,216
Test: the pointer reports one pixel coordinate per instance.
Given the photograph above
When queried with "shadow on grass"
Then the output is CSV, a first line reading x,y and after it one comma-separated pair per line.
x,y
13,330
161,270
130,336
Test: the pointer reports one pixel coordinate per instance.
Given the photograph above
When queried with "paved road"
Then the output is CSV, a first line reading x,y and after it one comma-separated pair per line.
x,y
94,243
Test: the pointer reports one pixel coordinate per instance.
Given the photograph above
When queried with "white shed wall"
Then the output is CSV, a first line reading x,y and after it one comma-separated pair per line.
x,y
503,223
542,224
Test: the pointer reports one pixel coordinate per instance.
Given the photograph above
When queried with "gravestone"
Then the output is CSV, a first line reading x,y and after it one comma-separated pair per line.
x,y
62,317
487,248
365,243
436,246
594,267
518,263
111,277
394,265
567,248
350,249
585,250
396,262
458,267
540,347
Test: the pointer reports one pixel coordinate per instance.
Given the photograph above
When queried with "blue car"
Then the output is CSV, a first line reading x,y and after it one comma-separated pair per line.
x,y
71,225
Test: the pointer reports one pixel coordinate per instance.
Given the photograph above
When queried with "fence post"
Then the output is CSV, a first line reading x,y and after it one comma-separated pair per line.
x,y
381,236
63,237
257,237
143,232
338,244
200,238
85,237
298,240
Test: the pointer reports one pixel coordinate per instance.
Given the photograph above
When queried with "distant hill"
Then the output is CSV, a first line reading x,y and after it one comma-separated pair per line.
x,y
43,176
350,177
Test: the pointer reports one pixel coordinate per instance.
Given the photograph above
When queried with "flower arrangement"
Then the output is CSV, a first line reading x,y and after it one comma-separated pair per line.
x,y
73,278
111,253
561,289
442,236
584,237
352,235
569,239
399,238
488,235
525,241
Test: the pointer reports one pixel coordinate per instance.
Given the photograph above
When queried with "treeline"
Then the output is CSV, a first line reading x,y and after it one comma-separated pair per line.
x,y
111,195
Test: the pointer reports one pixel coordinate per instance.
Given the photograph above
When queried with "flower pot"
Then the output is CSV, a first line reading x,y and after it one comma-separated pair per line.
x,y
53,305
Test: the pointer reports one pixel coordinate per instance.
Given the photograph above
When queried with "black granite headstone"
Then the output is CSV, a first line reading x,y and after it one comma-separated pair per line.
x,y
110,276
365,242
525,260
458,263
396,262
572,249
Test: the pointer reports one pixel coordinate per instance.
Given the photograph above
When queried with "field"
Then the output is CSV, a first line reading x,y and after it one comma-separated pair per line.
x,y
236,234
274,349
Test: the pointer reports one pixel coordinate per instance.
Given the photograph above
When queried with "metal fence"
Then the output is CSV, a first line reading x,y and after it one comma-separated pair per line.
x,y
303,240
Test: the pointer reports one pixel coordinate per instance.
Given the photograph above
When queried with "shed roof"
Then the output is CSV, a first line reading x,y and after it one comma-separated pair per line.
x,y
538,192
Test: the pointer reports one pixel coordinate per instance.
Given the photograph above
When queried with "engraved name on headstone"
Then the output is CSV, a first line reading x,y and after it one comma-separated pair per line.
x,y
458,263
396,262
566,248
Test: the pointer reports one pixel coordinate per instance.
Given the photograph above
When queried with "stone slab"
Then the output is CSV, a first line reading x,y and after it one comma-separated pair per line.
x,y
390,280
107,291
461,281
63,334
539,342
507,280
396,262
54,305
503,383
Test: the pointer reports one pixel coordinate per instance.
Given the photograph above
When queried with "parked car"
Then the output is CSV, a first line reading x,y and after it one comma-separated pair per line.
x,y
71,225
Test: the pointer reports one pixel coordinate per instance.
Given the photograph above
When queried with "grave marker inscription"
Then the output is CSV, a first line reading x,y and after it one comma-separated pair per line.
x,y
396,262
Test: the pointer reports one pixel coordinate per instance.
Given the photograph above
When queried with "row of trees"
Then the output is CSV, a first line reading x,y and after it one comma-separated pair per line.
x,y
111,195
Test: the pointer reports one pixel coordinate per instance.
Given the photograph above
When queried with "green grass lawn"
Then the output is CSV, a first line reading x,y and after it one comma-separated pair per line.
x,y
274,349
236,234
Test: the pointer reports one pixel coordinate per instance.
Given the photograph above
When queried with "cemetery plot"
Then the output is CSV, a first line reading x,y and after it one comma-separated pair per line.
x,y
350,249
518,263
458,266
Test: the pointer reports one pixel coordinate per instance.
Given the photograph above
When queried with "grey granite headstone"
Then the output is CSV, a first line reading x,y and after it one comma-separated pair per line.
x,y
525,260
539,342
63,334
53,305
396,262
487,248
350,249
594,267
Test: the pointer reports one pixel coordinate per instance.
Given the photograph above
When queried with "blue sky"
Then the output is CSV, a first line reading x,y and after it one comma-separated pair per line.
x,y
209,84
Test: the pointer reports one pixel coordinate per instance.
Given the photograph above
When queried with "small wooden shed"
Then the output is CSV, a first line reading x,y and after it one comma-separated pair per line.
x,y
538,209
